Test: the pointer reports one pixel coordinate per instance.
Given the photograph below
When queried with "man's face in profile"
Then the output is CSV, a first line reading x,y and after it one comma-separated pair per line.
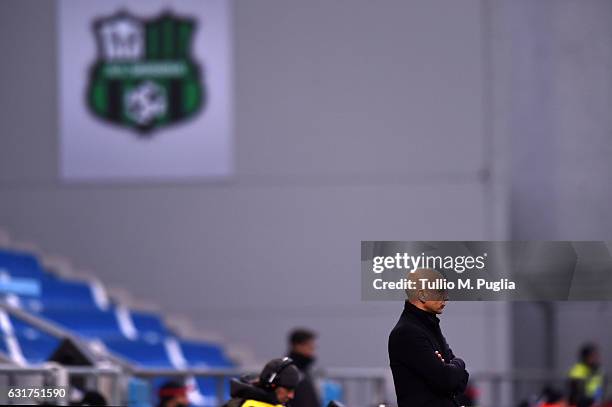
x,y
436,301
435,307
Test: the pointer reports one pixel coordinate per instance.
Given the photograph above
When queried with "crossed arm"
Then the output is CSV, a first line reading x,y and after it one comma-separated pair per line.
x,y
445,377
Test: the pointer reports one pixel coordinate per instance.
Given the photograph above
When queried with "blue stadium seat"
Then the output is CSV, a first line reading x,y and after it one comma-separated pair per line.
x,y
141,353
72,305
61,293
18,264
3,347
37,349
20,273
204,354
87,322
36,345
149,326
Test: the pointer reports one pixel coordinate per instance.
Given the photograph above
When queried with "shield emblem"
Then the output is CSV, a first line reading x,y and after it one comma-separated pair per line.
x,y
145,77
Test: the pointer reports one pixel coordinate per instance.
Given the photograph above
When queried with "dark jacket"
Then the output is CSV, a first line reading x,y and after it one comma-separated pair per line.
x,y
421,379
243,393
305,393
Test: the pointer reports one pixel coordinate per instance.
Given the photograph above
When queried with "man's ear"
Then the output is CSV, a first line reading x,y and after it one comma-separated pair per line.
x,y
421,296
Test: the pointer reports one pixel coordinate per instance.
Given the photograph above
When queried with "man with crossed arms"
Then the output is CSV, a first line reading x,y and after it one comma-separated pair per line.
x,y
426,373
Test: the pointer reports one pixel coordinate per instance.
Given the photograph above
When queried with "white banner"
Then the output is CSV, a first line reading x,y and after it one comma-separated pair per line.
x,y
145,89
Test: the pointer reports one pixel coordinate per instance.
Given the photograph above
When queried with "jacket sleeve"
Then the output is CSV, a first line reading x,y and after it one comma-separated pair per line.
x,y
463,385
416,352
450,351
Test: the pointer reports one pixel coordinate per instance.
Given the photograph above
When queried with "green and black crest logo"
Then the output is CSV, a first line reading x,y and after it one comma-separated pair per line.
x,y
145,77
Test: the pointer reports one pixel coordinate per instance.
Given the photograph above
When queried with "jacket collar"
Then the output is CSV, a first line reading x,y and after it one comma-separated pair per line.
x,y
428,318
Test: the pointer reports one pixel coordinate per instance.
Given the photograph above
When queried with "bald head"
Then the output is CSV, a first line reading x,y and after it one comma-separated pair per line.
x,y
431,300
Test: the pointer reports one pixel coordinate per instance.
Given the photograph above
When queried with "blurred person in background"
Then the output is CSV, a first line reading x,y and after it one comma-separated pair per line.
x,y
551,397
302,350
586,378
173,394
276,385
426,373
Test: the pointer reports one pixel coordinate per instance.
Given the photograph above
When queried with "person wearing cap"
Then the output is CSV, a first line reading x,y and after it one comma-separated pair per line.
x,y
173,394
426,373
274,387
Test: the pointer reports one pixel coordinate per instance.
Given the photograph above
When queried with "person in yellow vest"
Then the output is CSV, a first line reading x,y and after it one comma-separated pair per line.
x,y
586,379
274,388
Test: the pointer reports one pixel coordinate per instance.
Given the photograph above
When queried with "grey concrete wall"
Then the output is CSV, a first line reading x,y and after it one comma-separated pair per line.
x,y
555,93
593,326
559,93
351,115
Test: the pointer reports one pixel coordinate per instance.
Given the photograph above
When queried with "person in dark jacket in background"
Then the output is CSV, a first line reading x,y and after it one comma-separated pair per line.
x,y
426,373
302,350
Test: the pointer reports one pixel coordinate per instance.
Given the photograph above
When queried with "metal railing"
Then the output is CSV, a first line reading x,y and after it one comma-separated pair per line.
x,y
53,375
507,389
361,387
14,377
219,375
